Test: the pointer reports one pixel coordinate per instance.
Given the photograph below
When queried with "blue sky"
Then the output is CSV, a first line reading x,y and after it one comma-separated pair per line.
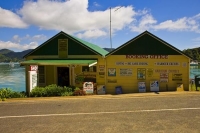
x,y
27,24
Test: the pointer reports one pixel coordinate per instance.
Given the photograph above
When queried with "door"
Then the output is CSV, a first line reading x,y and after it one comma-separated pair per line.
x,y
63,76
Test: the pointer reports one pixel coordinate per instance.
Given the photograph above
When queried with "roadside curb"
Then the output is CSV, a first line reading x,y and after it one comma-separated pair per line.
x,y
107,96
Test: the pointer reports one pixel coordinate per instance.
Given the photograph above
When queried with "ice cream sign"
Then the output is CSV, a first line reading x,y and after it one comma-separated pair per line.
x,y
33,67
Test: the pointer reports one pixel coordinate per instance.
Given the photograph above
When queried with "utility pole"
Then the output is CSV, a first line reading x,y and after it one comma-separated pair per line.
x,y
110,31
111,27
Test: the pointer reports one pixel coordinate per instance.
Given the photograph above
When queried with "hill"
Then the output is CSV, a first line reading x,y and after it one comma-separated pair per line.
x,y
108,49
194,53
7,55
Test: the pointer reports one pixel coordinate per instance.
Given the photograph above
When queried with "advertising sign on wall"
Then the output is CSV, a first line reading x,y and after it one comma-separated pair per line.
x,y
177,77
131,63
88,87
141,73
101,68
125,72
154,86
163,77
33,67
112,80
33,81
149,72
167,63
141,87
111,71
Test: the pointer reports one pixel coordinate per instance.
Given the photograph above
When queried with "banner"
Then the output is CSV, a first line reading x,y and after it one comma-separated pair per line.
x,y
141,87
154,86
125,72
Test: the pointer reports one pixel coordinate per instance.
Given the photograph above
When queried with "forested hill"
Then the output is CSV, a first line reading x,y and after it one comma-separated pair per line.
x,y
194,53
7,55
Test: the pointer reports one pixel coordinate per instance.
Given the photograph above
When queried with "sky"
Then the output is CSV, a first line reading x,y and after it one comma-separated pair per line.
x,y
26,24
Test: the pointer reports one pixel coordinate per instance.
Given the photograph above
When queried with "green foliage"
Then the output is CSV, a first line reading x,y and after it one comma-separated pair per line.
x,y
194,53
52,90
9,93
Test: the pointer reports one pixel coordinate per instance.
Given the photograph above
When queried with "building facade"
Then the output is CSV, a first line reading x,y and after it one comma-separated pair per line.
x,y
145,63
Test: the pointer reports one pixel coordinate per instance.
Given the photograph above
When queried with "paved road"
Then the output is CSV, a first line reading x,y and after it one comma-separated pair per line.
x,y
164,112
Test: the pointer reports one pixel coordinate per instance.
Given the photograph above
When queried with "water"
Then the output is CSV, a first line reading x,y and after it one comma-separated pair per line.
x,y
194,70
12,76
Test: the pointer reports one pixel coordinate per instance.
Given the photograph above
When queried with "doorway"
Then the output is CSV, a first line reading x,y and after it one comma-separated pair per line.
x,y
63,76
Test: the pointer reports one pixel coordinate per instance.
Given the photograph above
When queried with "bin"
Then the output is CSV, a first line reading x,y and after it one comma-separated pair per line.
x,y
197,81
118,90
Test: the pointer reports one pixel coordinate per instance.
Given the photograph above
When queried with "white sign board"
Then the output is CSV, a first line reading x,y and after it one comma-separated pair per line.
x,y
154,86
33,81
141,87
88,87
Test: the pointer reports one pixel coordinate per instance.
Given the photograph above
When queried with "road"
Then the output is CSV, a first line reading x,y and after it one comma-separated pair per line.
x,y
103,114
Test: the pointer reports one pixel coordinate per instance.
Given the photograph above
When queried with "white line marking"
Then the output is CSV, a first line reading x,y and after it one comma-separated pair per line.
x,y
94,113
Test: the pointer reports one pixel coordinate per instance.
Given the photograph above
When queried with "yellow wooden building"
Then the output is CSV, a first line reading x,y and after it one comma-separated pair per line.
x,y
145,63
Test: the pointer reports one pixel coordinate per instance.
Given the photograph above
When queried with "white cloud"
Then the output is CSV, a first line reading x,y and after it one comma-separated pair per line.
x,y
10,19
92,34
148,22
96,4
16,46
22,43
73,16
18,39
145,23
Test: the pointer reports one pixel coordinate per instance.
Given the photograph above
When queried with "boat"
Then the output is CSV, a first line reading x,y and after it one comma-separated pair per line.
x,y
11,64
194,63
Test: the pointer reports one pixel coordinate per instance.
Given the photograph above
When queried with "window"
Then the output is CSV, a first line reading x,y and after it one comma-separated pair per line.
x,y
89,69
41,74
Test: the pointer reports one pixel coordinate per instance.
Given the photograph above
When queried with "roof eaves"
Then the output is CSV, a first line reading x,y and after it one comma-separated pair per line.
x,y
43,44
146,32
123,45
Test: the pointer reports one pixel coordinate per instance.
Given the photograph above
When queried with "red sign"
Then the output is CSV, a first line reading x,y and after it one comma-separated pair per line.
x,y
33,67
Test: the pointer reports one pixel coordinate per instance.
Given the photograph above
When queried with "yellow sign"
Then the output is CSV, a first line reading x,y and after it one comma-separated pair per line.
x,y
149,72
141,73
177,77
62,48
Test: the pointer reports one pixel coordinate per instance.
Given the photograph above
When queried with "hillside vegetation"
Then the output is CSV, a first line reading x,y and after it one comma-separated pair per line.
x,y
7,55
194,53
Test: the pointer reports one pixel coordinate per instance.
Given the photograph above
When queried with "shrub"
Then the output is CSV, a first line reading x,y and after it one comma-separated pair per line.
x,y
79,92
9,93
51,90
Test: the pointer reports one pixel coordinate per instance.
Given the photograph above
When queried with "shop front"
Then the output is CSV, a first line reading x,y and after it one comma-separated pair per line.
x,y
144,64
147,64
65,61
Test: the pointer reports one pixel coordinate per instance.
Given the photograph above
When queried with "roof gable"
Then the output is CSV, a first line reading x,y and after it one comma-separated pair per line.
x,y
76,46
146,44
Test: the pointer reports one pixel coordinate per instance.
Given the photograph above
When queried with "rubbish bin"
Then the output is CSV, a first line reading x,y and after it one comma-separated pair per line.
x,y
118,90
197,81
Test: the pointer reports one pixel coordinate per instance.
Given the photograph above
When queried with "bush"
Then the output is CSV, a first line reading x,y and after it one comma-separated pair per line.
x,y
9,93
51,90
79,92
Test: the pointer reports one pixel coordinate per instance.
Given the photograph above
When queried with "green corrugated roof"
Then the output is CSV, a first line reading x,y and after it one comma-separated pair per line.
x,y
92,46
58,62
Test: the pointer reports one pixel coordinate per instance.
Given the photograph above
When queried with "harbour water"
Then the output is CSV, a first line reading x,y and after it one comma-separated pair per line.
x,y
13,76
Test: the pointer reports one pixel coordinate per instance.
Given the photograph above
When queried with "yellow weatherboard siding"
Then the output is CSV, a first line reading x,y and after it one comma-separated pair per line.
x,y
130,83
50,75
